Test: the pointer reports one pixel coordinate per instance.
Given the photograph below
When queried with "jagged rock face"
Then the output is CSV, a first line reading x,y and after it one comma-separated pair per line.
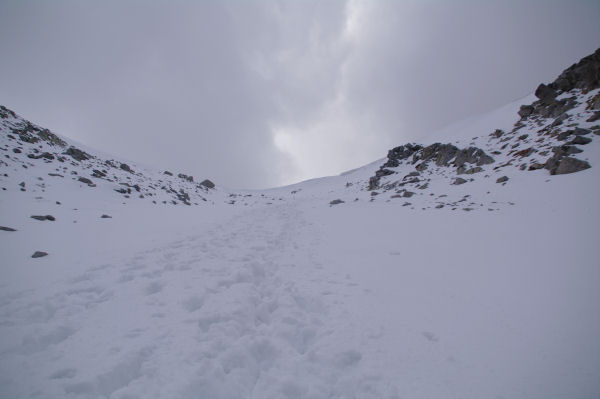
x,y
443,155
584,75
572,99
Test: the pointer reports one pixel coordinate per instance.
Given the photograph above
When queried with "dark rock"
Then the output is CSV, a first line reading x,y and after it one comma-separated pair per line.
x,y
421,167
442,153
559,120
524,153
536,166
186,177
166,172
16,150
566,150
563,135
106,216
401,153
39,254
85,180
51,138
126,168
407,194
208,184
525,111
77,154
336,201
458,181
545,93
42,218
3,228
502,179
476,169
583,75
523,136
570,165
579,131
594,117
581,140
98,173
472,155
45,155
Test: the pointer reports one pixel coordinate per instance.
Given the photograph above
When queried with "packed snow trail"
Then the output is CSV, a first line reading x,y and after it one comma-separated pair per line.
x,y
242,310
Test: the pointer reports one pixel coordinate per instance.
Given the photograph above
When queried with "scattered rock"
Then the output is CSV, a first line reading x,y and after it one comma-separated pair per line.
x,y
536,166
126,168
458,181
502,179
77,154
39,254
594,117
336,201
208,184
524,153
581,140
545,93
407,194
98,173
87,181
476,169
106,216
42,218
186,177
525,111
3,228
166,172
570,165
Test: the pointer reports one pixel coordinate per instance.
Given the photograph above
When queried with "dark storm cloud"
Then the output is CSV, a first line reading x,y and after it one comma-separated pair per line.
x,y
257,93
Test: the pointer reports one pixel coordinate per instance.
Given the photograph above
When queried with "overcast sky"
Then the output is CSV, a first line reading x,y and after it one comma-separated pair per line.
x,y
253,94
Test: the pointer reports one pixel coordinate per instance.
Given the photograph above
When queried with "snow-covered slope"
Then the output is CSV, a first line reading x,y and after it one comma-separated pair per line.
x,y
388,281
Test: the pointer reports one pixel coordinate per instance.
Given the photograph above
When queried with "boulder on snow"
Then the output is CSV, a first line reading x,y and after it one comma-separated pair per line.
x,y
45,217
77,154
581,140
458,181
87,181
208,184
39,254
3,228
502,179
336,201
570,165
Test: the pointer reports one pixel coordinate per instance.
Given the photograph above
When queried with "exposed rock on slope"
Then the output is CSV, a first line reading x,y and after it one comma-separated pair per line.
x,y
547,135
30,147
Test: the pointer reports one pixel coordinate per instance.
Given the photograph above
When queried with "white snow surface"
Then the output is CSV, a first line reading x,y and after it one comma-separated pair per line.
x,y
278,294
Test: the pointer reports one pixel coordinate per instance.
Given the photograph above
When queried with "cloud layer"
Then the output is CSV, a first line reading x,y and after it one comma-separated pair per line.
x,y
262,93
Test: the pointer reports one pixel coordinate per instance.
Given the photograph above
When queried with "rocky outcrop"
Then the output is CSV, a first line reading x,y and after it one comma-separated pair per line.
x,y
442,155
39,254
77,154
207,184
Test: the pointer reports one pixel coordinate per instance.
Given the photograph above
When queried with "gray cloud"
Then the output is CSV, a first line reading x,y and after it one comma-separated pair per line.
x,y
260,93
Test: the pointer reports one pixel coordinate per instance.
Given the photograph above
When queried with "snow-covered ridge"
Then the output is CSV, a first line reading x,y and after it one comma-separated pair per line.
x,y
38,158
546,134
